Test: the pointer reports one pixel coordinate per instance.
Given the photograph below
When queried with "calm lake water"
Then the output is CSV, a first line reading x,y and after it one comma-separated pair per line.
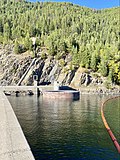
x,y
68,130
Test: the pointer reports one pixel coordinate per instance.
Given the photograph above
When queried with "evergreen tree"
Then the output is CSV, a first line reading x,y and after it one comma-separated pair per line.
x,y
103,68
16,47
93,63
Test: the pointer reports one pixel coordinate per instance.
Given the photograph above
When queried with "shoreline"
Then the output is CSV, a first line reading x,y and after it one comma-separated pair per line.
x,y
100,91
32,90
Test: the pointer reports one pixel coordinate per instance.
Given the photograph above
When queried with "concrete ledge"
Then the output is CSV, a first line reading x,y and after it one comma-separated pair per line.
x,y
26,88
13,144
62,94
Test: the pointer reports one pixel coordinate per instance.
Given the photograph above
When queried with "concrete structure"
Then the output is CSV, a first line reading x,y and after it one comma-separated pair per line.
x,y
26,88
56,86
48,91
27,72
62,94
13,144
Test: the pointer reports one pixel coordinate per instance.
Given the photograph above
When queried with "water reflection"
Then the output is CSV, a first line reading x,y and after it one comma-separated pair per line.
x,y
64,129
112,112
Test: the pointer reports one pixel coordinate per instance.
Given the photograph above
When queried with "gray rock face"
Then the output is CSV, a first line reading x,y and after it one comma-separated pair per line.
x,y
12,68
85,79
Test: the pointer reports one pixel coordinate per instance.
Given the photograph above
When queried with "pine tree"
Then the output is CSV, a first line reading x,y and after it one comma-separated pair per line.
x,y
16,47
93,63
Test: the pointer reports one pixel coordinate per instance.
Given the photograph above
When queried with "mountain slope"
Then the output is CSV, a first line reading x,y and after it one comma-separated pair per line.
x,y
90,37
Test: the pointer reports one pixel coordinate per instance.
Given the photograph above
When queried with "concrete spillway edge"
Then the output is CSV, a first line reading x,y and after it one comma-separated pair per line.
x,y
13,144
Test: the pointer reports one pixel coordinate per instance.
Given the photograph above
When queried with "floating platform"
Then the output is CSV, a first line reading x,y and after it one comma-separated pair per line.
x,y
62,94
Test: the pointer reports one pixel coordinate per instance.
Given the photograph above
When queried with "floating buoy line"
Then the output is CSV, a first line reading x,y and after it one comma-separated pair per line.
x,y
113,138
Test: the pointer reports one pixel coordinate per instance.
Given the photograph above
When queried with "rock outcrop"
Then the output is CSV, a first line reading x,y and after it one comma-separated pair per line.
x,y
48,70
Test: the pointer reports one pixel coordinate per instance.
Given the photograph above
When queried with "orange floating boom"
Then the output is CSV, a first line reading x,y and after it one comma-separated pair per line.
x,y
107,126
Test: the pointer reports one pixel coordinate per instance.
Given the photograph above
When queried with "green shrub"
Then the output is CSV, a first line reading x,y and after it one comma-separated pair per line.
x,y
43,55
107,84
62,62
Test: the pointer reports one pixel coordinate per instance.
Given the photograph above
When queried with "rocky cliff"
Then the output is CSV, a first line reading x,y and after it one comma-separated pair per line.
x,y
48,69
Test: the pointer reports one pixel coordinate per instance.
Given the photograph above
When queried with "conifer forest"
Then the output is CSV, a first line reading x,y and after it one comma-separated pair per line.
x,y
91,37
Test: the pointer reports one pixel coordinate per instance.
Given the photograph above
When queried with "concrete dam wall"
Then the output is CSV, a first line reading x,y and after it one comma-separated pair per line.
x,y
13,144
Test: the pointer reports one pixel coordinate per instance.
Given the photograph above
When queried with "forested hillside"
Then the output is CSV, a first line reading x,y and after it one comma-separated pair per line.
x,y
90,36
